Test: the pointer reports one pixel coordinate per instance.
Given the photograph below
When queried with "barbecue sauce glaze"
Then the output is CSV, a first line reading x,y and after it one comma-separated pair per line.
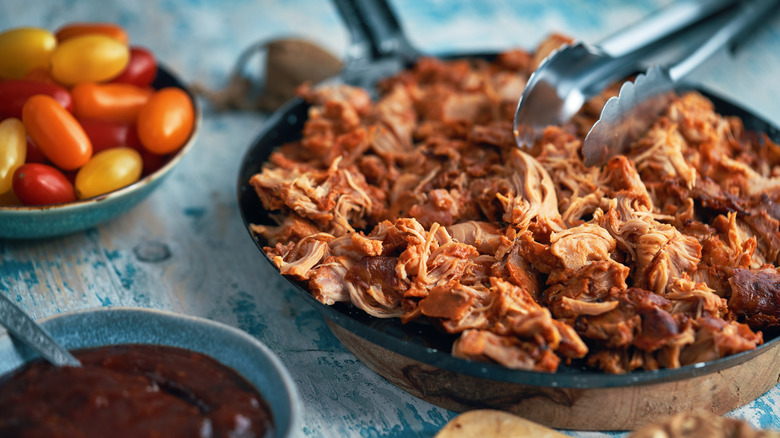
x,y
132,391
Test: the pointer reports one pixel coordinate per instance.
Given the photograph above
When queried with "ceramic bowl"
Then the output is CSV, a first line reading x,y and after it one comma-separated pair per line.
x,y
229,346
31,222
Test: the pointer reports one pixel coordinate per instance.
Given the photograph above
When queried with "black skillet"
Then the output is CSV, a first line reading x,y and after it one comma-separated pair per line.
x,y
380,49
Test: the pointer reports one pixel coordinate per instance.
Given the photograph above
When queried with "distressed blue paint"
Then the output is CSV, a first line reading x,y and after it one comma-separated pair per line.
x,y
310,322
20,271
195,212
126,278
104,300
765,414
112,255
245,309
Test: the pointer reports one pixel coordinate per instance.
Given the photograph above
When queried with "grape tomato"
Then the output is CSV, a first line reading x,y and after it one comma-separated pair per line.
x,y
9,198
24,49
71,30
13,150
40,75
15,92
78,115
106,134
107,171
141,68
41,184
109,101
166,121
88,58
56,132
34,154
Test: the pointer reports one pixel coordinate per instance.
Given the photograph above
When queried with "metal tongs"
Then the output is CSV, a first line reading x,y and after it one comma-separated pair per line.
x,y
672,42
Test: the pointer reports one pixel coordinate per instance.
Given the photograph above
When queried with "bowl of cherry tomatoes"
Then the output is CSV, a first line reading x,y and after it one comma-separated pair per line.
x,y
90,125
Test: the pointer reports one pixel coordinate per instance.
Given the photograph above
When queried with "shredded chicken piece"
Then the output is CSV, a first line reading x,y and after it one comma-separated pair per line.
x,y
755,296
419,206
581,245
508,351
529,200
660,152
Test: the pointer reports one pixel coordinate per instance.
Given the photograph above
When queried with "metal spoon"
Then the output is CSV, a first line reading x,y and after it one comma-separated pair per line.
x,y
573,74
24,328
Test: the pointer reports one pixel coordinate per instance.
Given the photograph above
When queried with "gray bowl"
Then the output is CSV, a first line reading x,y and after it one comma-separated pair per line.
x,y
229,346
34,222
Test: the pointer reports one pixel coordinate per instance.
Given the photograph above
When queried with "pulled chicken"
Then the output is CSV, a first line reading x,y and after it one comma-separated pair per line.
x,y
419,206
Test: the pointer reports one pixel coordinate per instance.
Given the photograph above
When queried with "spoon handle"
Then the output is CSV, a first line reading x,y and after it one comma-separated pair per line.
x,y
28,331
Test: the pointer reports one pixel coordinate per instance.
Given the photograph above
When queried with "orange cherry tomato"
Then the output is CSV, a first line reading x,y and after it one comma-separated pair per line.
x,y
166,121
107,171
24,49
56,132
88,58
109,101
71,30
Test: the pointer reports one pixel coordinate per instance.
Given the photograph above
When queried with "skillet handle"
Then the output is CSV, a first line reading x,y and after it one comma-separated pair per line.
x,y
375,32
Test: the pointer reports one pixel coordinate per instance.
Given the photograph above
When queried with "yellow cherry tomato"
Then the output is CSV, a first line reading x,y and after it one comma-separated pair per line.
x,y
165,122
25,49
107,171
13,151
71,30
89,58
9,198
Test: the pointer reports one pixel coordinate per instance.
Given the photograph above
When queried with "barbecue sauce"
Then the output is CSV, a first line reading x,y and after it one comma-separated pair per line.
x,y
132,391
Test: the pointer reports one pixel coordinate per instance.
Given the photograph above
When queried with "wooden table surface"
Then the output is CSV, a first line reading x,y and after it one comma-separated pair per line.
x,y
185,248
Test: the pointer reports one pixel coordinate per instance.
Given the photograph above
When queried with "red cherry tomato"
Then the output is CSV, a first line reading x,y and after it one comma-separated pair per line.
x,y
106,134
77,29
151,162
14,94
56,132
34,154
40,184
40,75
141,69
166,121
109,101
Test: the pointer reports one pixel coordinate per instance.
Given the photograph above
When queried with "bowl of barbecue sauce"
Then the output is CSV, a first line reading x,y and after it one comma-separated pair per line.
x,y
146,373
